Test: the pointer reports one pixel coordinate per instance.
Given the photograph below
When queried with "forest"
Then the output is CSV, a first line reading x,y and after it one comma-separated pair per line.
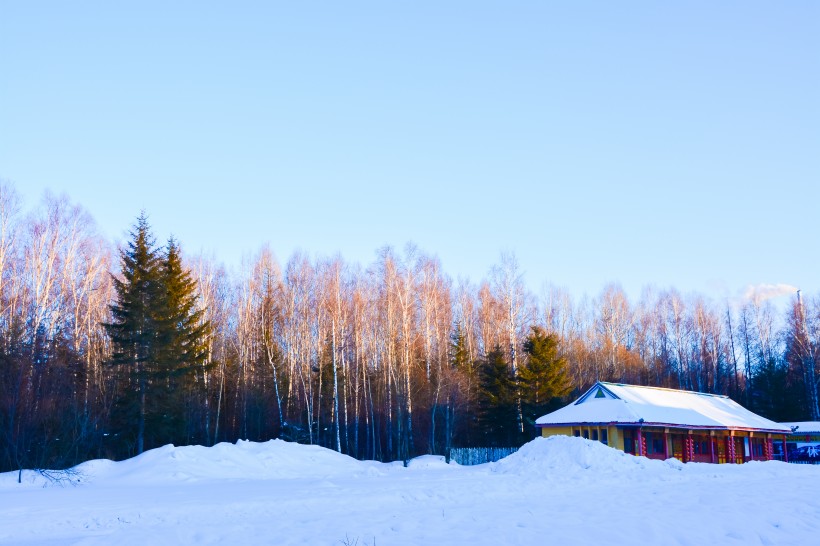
x,y
106,352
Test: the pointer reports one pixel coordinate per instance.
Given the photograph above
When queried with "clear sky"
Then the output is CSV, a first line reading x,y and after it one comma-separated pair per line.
x,y
632,142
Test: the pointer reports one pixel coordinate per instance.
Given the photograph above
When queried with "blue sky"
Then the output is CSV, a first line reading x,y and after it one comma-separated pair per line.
x,y
632,142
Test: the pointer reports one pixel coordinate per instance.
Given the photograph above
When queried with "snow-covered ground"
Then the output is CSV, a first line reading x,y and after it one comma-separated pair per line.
x,y
553,491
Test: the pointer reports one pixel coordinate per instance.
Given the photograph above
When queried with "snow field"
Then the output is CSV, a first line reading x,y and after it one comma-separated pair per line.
x,y
553,491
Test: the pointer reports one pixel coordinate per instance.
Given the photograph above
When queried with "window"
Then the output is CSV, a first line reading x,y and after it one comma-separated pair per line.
x,y
595,434
586,433
629,444
657,445
654,443
604,439
576,433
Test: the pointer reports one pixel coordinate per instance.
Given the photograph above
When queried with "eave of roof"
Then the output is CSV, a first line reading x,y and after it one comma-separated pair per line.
x,y
804,427
623,424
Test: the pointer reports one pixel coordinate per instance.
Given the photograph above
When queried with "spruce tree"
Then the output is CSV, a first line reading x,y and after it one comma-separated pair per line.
x,y
497,408
777,396
458,349
460,361
185,335
544,379
158,339
182,348
134,331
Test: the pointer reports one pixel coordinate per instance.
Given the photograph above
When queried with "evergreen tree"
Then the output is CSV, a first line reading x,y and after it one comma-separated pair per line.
x,y
777,396
459,392
134,331
158,339
460,357
497,407
543,380
182,350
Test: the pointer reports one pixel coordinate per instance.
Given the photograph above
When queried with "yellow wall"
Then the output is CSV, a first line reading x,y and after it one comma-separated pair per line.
x,y
556,431
614,438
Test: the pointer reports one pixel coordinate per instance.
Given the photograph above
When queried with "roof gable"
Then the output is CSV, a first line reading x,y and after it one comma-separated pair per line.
x,y
597,392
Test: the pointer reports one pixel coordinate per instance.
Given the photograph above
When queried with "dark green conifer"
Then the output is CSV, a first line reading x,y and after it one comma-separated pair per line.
x,y
497,413
543,379
182,350
458,349
463,395
185,331
158,338
134,332
776,395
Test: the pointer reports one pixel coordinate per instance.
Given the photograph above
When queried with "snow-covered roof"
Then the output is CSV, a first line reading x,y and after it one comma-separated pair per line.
x,y
607,403
804,427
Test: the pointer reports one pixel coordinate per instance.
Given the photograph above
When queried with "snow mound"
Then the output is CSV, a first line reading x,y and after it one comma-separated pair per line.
x,y
428,461
562,456
275,459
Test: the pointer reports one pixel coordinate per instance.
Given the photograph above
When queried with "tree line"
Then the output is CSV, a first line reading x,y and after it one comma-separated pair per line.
x,y
107,352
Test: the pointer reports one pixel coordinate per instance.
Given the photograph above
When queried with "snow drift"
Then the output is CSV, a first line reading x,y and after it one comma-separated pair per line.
x,y
555,490
564,456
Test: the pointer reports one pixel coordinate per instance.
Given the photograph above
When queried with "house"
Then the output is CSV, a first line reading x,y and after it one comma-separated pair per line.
x,y
803,445
661,423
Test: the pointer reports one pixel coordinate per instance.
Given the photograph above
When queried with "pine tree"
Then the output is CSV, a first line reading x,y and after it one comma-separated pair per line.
x,y
497,401
544,379
134,331
186,331
465,395
460,358
158,338
778,394
182,350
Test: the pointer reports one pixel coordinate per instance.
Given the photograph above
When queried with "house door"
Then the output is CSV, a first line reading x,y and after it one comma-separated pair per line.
x,y
677,446
721,452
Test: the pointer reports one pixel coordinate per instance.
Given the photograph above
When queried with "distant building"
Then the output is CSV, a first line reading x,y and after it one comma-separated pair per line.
x,y
662,423
803,445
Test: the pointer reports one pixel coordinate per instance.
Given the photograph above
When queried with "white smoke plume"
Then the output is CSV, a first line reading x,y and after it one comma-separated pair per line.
x,y
759,293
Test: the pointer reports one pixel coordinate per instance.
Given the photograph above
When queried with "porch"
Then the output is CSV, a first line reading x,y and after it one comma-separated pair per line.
x,y
703,446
